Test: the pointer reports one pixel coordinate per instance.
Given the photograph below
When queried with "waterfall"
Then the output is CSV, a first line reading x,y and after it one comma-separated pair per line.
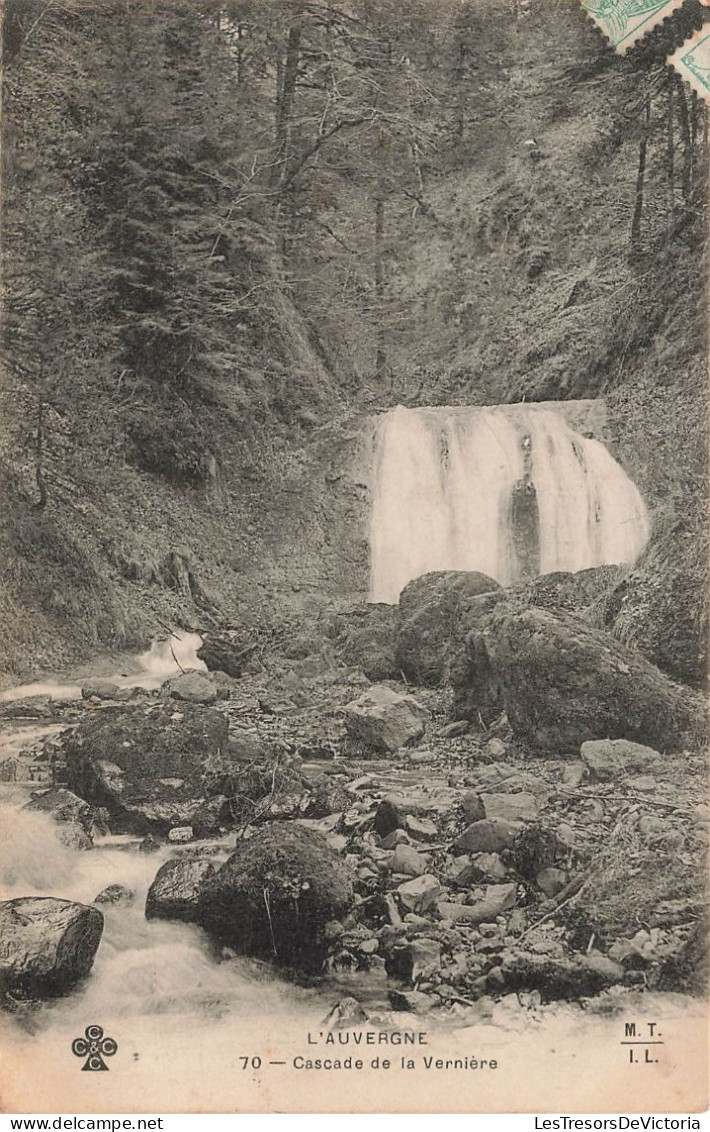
x,y
510,491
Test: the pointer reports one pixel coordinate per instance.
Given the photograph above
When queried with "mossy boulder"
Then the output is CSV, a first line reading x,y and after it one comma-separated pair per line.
x,y
275,894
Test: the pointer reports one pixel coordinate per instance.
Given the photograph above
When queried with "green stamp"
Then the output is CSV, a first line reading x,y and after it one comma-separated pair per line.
x,y
692,61
625,21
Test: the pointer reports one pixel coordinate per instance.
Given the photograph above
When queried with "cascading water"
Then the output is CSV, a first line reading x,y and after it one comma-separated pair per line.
x,y
510,491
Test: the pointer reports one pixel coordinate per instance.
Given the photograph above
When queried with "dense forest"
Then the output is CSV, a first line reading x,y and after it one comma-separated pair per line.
x,y
232,229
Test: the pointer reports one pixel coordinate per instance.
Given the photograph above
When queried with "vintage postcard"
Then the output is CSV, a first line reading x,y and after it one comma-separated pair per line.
x,y
353,587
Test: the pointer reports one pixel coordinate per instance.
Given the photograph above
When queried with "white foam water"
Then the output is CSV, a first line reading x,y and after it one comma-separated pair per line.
x,y
443,488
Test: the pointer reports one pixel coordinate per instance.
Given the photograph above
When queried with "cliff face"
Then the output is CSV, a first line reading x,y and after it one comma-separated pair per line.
x,y
193,346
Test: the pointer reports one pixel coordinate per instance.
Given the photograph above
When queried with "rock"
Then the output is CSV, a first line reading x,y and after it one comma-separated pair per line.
x,y
499,898
472,807
551,881
554,977
344,1015
413,960
383,720
180,834
495,747
364,639
455,729
688,970
432,608
30,707
484,866
192,687
422,829
644,783
276,893
74,836
510,807
48,945
115,894
150,768
326,798
64,806
214,815
406,860
573,774
608,758
393,839
10,770
105,690
226,652
419,894
563,682
488,836
174,893
415,1002
149,844
390,816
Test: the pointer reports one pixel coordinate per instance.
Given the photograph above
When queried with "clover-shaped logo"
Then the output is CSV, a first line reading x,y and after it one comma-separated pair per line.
x,y
94,1047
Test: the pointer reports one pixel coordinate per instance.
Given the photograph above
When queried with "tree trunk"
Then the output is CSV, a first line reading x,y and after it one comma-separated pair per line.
x,y
381,356
640,177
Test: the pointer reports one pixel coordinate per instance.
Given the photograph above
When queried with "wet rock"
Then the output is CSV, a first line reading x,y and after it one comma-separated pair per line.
x,y
105,690
607,759
406,860
563,682
560,977
174,893
390,816
149,844
419,894
192,687
149,767
30,707
180,834
488,836
414,959
214,815
63,806
415,1002
74,836
344,1015
383,720
510,807
226,652
115,894
48,945
276,893
551,881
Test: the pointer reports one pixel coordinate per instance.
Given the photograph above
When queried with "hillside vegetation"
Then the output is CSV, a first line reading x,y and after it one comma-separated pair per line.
x,y
231,230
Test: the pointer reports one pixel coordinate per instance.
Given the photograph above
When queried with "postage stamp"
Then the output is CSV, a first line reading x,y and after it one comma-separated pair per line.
x,y
626,21
692,61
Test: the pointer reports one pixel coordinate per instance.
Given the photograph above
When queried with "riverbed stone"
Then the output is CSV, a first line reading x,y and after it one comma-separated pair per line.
x,y
382,720
414,959
606,759
115,894
150,767
405,859
275,894
63,806
100,689
510,807
563,682
488,836
48,945
192,687
419,894
174,893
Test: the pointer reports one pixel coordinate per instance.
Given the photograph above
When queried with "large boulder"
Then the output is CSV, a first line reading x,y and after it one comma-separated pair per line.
x,y
48,945
100,689
384,720
149,767
364,638
562,682
434,610
226,652
64,806
275,895
174,893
